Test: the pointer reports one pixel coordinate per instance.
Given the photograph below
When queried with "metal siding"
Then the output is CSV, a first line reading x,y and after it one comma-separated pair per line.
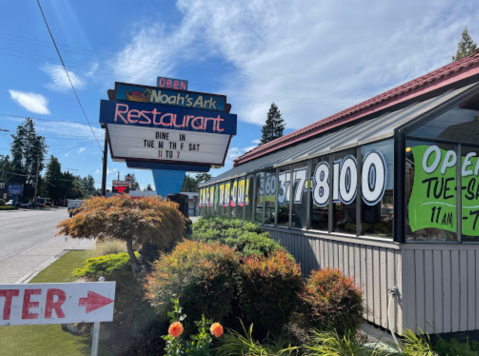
x,y
420,290
463,300
370,281
430,297
438,290
409,291
456,285
447,290
398,277
383,284
377,285
471,282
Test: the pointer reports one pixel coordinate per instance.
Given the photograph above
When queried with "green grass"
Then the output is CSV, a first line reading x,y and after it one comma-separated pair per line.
x,y
50,340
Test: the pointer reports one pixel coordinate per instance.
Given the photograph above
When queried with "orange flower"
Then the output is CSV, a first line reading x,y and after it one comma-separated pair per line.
x,y
216,329
175,329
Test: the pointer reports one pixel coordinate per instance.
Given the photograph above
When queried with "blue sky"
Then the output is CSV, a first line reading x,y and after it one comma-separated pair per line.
x,y
312,58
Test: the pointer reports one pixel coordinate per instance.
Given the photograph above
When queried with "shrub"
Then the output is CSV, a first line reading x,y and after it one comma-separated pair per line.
x,y
200,274
332,301
103,265
247,238
131,219
104,248
8,207
268,290
2,202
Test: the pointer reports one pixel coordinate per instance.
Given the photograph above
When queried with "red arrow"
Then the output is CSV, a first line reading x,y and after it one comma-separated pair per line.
x,y
93,301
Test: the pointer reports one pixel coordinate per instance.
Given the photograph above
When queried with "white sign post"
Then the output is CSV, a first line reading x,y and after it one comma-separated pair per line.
x,y
57,303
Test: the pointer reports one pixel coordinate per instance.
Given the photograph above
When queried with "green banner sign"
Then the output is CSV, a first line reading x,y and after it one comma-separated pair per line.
x,y
433,202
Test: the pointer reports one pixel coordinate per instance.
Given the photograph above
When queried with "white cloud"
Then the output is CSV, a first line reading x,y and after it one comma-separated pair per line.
x,y
113,171
33,102
312,58
82,149
97,171
60,80
70,129
256,142
235,152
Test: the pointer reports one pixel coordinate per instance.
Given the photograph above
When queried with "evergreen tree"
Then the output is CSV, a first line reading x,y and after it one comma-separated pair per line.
x,y
274,125
465,46
148,188
202,178
190,184
27,149
134,185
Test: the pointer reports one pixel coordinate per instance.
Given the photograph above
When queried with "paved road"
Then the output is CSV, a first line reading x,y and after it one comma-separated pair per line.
x,y
28,242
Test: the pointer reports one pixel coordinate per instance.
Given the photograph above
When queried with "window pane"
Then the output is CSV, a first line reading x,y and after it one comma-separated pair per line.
x,y
457,124
249,198
270,191
377,184
284,186
470,193
320,193
200,204
215,202
241,198
258,216
430,191
300,195
344,189
221,200
234,193
227,198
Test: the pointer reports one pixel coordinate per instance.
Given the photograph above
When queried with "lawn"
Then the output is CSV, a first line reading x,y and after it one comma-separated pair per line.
x,y
43,340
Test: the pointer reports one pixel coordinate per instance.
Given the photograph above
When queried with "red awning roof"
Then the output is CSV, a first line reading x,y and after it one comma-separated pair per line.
x,y
441,78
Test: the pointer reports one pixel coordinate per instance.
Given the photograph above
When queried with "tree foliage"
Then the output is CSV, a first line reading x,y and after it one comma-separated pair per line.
x,y
190,184
134,185
465,46
274,125
133,220
27,150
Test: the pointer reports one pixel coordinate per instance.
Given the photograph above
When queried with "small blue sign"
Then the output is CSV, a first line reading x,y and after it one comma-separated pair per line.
x,y
172,83
154,95
15,189
167,117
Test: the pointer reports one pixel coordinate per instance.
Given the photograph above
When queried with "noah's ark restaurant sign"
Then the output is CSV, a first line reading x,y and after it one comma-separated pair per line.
x,y
387,191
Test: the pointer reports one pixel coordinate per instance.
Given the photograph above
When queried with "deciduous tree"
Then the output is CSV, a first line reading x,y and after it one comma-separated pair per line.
x,y
133,220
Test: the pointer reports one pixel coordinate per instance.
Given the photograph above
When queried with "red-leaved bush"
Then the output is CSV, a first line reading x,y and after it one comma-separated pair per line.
x,y
268,290
201,275
331,300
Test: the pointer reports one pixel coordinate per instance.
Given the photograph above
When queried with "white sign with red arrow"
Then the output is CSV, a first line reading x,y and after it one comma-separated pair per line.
x,y
56,303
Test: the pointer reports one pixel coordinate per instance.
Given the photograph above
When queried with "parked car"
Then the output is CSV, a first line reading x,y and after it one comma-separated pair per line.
x,y
74,207
26,205
40,203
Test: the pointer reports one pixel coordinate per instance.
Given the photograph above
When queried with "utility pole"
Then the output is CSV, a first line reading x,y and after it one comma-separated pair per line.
x,y
105,162
36,180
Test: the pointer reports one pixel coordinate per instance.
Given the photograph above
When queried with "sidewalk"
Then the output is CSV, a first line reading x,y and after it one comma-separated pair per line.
x,y
30,262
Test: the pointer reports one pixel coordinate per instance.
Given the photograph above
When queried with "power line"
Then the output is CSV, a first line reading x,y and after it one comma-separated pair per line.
x,y
49,120
68,75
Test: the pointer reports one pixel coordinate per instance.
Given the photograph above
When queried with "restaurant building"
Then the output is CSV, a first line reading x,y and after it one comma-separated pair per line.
x,y
387,191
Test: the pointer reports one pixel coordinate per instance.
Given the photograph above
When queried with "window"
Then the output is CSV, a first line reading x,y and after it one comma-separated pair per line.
x,y
227,199
470,193
457,124
216,202
284,192
300,195
241,198
249,196
344,191
221,200
320,193
258,216
377,183
270,194
430,191
233,196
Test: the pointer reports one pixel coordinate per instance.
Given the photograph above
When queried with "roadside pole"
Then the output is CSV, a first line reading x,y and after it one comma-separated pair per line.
x,y
36,181
96,332
105,160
